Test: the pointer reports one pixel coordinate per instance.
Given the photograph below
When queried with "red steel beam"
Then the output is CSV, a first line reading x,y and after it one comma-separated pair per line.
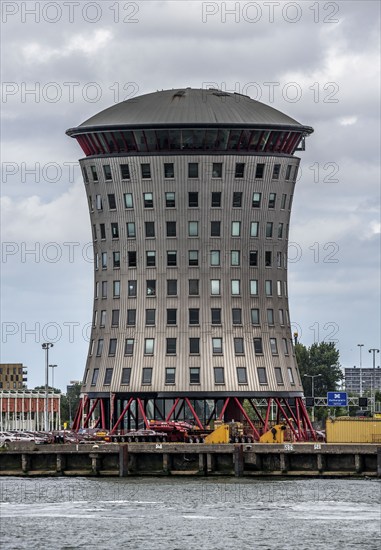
x,y
257,411
77,419
102,416
266,425
198,422
307,418
224,408
172,409
86,422
247,417
122,415
280,408
141,408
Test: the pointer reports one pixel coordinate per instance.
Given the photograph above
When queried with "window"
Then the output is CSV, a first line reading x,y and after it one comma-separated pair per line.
x,y
148,200
112,347
290,376
132,286
170,375
131,317
151,288
283,203
128,201
171,316
215,229
104,260
268,258
214,257
235,258
131,231
129,346
272,199
102,228
216,316
150,316
170,200
192,169
147,376
116,260
217,170
116,289
215,287
149,229
192,199
99,347
96,293
114,231
107,172
270,316
126,377
124,171
280,230
290,202
94,377
279,259
98,202
236,287
259,171
194,316
284,288
85,175
239,169
171,229
268,288
193,229
262,376
171,346
219,375
94,173
216,199
281,317
254,287
256,200
102,322
236,229
278,375
276,171
285,346
273,346
253,258
146,171
279,288
104,289
269,229
193,287
194,346
131,258
241,375
255,316
238,346
193,257
171,287
115,318
171,258
194,375
258,349
237,316
150,258
149,346
217,345
169,171
254,226
111,202
288,172
237,199
95,232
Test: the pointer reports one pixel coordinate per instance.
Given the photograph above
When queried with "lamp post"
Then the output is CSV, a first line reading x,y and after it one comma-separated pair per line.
x,y
46,346
360,346
313,376
374,351
53,367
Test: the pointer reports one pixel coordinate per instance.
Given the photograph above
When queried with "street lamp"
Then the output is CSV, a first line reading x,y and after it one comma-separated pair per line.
x,y
46,346
313,376
360,346
53,367
374,351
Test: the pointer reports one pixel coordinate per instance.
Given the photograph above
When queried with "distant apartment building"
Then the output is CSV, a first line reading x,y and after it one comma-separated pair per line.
x,y
12,376
362,380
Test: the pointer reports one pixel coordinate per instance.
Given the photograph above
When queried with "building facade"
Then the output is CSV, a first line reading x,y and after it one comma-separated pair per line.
x,y
362,381
13,376
190,194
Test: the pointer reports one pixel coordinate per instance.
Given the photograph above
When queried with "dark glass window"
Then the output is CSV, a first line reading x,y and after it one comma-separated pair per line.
x,y
259,171
241,375
280,231
95,377
102,228
150,258
131,317
193,287
151,288
273,346
194,346
112,347
237,199
111,202
253,258
169,171
125,171
114,231
237,316
170,375
171,287
219,376
215,229
217,170
239,169
131,258
193,170
115,318
94,173
268,258
262,377
126,377
269,229
255,316
216,199
170,201
238,346
129,346
272,198
148,200
194,316
276,171
192,199
288,172
258,349
150,316
284,200
171,229
147,376
146,171
85,175
194,375
171,316
149,229
171,346
256,200
132,287
216,316
171,258
99,347
193,257
107,172
278,375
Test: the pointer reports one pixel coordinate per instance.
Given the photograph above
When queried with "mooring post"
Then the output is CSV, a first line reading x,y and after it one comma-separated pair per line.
x,y
379,462
123,460
238,460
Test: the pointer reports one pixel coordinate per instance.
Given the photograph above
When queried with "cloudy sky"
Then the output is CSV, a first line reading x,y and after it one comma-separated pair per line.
x,y
62,62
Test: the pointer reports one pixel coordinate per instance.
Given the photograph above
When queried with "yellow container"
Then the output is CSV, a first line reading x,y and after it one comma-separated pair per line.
x,y
353,430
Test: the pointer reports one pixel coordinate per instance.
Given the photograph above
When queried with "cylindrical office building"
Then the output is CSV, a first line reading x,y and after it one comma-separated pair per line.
x,y
190,193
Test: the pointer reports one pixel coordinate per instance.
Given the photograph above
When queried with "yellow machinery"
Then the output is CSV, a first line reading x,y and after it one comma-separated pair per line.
x,y
275,435
220,435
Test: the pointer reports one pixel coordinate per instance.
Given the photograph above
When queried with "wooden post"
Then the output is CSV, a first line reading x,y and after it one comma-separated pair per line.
x,y
379,462
238,460
123,460
25,463
358,463
320,462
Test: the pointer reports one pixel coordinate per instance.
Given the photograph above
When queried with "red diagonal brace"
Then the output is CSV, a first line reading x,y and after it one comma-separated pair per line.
x,y
298,436
198,422
86,422
140,405
122,415
224,408
172,409
247,417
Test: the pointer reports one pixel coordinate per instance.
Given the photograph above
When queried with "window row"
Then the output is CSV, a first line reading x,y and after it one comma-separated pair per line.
x,y
194,376
194,346
193,317
238,200
216,171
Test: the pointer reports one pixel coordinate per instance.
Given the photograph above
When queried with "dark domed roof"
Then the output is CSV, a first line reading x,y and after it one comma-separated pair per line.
x,y
190,107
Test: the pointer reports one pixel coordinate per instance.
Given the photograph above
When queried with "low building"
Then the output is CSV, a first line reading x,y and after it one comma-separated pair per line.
x,y
12,376
364,380
25,410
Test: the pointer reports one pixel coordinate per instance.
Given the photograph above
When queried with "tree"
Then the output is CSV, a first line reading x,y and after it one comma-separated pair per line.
x,y
69,403
323,359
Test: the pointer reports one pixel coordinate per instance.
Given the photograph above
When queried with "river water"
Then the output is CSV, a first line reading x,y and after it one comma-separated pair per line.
x,y
189,514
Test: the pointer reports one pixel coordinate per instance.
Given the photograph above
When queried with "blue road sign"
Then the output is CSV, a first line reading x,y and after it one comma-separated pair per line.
x,y
337,399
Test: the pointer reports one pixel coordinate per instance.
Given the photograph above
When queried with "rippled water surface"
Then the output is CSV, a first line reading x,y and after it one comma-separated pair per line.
x,y
187,514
